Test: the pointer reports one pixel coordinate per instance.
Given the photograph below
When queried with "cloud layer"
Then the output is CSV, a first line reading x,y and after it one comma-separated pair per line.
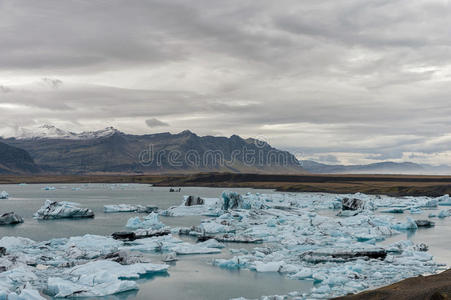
x,y
344,81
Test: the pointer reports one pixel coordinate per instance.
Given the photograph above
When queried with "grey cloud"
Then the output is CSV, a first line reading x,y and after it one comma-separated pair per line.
x,y
314,76
54,83
154,122
4,89
331,159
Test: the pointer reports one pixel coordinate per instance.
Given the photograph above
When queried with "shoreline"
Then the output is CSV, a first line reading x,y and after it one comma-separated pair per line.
x,y
391,185
437,286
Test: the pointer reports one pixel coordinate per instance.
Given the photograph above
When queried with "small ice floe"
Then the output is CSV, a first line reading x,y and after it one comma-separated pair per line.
x,y
409,224
354,206
58,210
170,257
10,218
415,210
191,207
49,188
140,234
116,208
424,223
148,222
4,195
85,266
444,213
100,278
444,200
394,210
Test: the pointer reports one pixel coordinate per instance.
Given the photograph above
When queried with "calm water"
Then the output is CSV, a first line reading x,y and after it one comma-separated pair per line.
x,y
192,277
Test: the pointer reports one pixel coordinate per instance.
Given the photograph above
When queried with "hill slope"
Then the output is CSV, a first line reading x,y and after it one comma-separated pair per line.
x,y
375,168
16,161
111,151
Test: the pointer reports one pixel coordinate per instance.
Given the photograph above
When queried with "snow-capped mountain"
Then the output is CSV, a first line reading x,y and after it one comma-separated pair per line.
x,y
52,132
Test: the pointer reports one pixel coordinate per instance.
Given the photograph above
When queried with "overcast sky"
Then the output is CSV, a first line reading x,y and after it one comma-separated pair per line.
x,y
339,81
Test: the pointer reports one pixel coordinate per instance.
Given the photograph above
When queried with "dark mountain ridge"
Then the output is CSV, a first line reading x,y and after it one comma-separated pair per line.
x,y
185,152
375,168
14,160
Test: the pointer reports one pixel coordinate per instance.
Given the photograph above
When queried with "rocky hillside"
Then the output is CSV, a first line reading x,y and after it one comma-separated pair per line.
x,y
14,160
111,151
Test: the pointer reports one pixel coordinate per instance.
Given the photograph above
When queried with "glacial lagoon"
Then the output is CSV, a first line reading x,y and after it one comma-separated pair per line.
x,y
192,276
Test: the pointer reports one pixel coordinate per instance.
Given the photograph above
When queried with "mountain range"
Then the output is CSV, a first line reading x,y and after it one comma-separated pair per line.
x,y
376,168
14,160
112,151
48,149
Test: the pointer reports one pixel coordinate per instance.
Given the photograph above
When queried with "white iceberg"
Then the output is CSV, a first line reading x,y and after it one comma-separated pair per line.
x,y
58,210
149,222
4,195
116,208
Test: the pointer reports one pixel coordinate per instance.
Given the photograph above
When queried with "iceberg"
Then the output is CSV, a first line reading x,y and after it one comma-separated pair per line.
x,y
58,210
100,278
444,213
409,224
193,200
302,243
149,222
210,207
4,195
116,208
10,219
444,200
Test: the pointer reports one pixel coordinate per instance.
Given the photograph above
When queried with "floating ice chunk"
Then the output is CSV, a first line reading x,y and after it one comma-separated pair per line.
x,y
21,293
149,222
409,224
394,210
116,208
57,210
212,243
273,266
211,227
444,214
233,263
415,210
444,200
430,203
211,207
10,219
26,294
100,278
64,288
425,223
193,200
49,188
233,200
4,195
186,249
303,273
170,257
95,244
12,243
133,271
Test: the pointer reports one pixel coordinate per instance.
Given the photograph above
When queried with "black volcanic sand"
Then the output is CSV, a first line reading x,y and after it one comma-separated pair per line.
x,y
432,287
392,185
